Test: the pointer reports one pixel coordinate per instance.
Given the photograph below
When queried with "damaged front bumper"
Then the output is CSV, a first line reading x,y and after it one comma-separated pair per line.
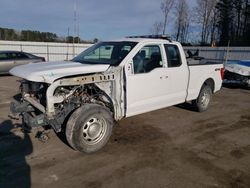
x,y
27,111
34,114
237,72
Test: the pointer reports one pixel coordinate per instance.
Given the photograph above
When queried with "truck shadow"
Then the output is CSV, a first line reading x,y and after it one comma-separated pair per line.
x,y
62,135
186,106
17,97
236,86
14,169
5,74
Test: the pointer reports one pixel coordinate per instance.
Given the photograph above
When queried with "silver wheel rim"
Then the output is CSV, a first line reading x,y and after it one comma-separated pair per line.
x,y
94,130
205,98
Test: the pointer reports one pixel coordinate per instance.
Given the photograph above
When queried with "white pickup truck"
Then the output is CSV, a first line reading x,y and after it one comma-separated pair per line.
x,y
108,82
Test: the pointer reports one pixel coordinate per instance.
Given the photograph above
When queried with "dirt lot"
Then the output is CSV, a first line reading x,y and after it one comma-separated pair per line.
x,y
173,147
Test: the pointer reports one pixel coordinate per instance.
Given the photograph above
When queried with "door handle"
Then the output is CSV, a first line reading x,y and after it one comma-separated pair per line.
x,y
164,77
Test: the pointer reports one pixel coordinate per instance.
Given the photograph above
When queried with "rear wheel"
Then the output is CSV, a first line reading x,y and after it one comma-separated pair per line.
x,y
201,104
89,128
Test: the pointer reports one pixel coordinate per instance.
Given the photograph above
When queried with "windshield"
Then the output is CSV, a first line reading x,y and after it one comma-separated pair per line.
x,y
111,53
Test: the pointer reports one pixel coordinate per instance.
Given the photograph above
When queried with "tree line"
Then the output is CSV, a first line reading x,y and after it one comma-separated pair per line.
x,y
37,36
216,22
27,35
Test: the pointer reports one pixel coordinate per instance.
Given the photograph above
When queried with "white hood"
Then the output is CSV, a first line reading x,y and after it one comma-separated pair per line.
x,y
48,72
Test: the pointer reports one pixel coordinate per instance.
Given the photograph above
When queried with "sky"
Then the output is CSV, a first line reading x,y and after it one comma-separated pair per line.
x,y
103,19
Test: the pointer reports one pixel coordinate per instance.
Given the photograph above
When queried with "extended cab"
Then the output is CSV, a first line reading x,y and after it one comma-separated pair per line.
x,y
110,81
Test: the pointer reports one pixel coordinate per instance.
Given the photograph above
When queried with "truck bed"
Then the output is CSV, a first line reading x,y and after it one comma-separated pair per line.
x,y
195,62
200,71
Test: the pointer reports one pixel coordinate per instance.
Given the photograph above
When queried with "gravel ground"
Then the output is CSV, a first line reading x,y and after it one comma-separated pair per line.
x,y
172,147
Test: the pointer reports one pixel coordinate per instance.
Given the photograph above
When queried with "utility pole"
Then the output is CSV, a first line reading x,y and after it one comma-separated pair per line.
x,y
74,28
67,55
78,38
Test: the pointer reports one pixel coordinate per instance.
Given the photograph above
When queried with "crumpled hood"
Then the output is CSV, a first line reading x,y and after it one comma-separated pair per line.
x,y
48,72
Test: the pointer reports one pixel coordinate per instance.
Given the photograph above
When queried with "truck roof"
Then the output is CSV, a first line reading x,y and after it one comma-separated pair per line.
x,y
143,40
147,38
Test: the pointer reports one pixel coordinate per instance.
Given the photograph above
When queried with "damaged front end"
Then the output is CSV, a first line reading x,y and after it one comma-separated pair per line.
x,y
45,104
237,72
234,78
31,105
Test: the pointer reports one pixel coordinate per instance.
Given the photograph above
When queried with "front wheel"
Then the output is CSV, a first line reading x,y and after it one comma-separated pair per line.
x,y
201,104
89,128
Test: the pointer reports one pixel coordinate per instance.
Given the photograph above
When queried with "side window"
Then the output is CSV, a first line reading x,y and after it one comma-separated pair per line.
x,y
124,52
14,55
3,56
21,56
147,59
173,55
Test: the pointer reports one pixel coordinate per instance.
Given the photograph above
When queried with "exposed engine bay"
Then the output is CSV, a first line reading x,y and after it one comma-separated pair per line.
x,y
34,102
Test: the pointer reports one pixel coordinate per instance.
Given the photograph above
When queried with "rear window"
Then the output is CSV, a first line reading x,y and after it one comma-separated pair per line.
x,y
173,55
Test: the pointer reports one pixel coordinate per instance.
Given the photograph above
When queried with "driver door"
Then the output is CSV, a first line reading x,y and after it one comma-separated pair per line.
x,y
147,81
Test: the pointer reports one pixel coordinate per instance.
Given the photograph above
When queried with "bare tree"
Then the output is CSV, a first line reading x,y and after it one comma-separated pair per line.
x,y
182,20
166,7
156,28
213,27
204,15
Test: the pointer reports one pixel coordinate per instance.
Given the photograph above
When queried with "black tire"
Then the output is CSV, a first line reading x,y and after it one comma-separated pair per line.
x,y
201,104
89,128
